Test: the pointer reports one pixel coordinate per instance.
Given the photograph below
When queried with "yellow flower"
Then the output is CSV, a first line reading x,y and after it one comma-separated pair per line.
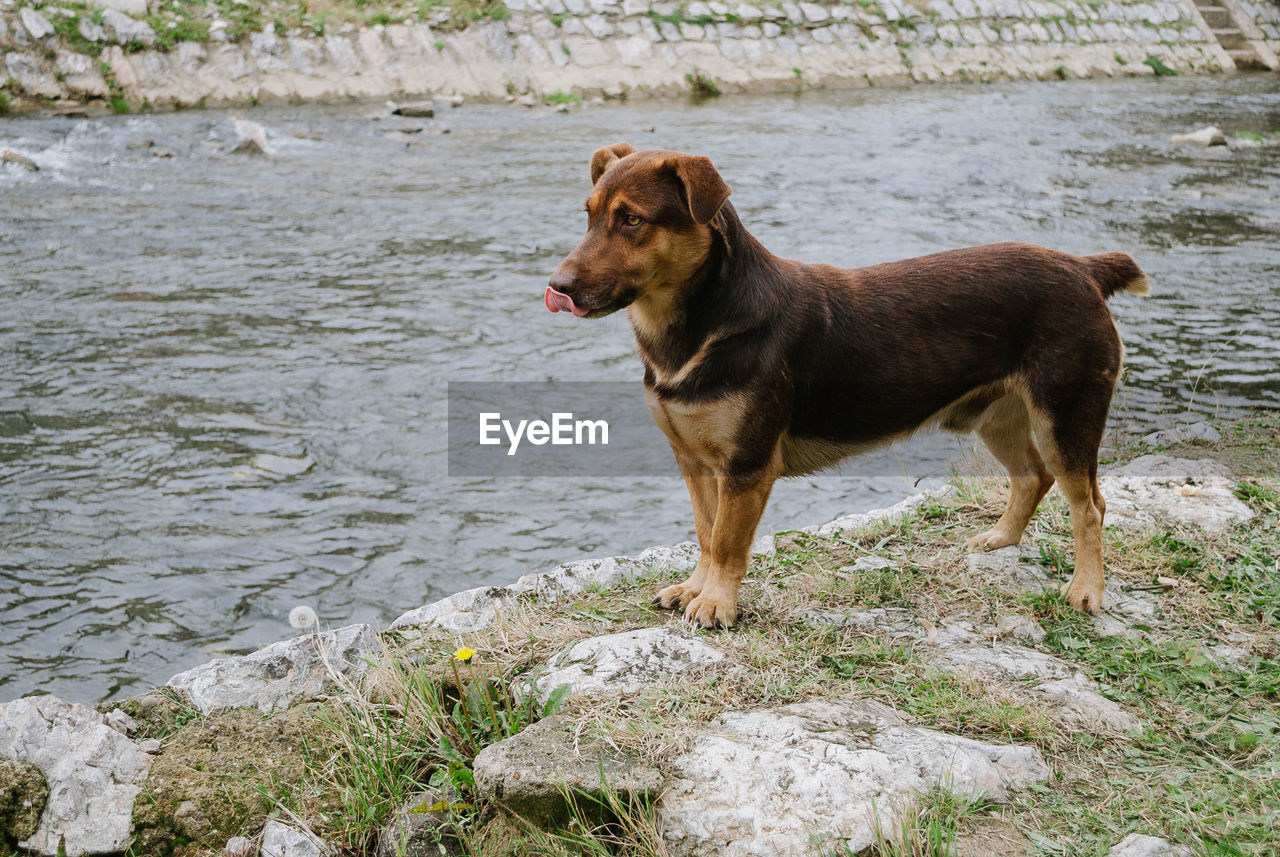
x,y
464,654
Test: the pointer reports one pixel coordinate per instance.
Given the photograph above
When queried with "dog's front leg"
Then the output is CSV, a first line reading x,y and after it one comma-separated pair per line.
x,y
704,492
741,503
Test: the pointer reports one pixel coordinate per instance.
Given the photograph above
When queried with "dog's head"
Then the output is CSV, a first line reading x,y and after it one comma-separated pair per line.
x,y
648,231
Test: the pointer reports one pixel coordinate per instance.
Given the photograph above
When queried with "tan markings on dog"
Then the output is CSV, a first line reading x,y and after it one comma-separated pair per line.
x,y
706,431
802,455
673,258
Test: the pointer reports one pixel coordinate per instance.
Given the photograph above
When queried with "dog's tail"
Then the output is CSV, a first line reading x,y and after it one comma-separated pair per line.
x,y
1117,272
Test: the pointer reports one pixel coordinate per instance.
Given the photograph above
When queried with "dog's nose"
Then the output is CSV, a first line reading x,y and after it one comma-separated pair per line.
x,y
565,282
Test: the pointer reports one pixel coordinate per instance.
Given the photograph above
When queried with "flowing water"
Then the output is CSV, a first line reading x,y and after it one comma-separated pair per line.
x,y
165,322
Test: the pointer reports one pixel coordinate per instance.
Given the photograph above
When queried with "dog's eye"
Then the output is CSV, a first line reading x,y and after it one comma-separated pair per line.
x,y
633,220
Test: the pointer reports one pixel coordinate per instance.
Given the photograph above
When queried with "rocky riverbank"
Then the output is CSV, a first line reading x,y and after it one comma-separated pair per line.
x,y
172,53
884,688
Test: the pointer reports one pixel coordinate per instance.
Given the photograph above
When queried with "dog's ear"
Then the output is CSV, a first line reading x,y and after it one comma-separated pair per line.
x,y
601,160
703,187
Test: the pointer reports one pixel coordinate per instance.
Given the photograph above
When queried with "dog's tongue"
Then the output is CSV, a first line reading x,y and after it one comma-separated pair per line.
x,y
557,301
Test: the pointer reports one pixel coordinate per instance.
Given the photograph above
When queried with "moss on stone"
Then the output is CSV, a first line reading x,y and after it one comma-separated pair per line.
x,y
23,793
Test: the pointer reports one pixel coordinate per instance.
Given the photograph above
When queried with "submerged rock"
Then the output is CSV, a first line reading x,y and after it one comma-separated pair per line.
x,y
1209,136
769,782
420,109
94,773
623,663
281,674
528,772
8,156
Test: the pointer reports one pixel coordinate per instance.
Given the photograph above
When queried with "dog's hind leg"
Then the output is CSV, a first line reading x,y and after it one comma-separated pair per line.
x,y
1069,438
1005,428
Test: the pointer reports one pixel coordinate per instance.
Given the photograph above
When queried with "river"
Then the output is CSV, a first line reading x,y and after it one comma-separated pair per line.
x,y
167,321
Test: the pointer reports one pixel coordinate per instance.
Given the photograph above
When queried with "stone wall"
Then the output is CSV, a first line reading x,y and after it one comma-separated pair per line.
x,y
616,48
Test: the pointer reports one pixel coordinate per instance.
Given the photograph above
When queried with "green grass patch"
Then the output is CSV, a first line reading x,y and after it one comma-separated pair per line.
x,y
562,98
1159,67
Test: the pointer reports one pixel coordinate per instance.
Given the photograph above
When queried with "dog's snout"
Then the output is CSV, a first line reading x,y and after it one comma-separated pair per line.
x,y
564,281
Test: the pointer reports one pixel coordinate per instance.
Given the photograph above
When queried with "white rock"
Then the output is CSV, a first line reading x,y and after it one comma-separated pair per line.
x,y
1209,136
129,7
91,30
765,782
1155,489
848,523
37,25
623,663
1180,434
281,840
574,577
94,773
280,674
1138,845
124,29
464,611
277,464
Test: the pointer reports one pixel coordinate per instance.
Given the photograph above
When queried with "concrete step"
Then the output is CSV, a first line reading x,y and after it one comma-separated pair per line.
x,y
1217,17
1231,39
1246,60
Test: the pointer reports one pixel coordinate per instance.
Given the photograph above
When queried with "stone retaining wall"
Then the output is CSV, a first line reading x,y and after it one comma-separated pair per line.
x,y
617,48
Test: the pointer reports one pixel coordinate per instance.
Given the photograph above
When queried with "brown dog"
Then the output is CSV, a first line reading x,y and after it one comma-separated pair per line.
x,y
758,367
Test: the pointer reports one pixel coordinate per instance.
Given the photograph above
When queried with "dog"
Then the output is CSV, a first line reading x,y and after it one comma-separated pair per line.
x,y
758,367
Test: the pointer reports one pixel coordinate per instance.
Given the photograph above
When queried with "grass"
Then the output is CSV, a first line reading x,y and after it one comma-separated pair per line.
x,y
1159,67
703,85
562,98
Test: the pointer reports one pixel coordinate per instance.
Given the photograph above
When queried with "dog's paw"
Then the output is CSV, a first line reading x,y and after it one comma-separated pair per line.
x,y
1085,599
990,540
677,595
711,612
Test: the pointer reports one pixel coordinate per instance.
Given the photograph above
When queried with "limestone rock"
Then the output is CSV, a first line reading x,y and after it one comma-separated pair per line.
x,y
23,793
277,464
129,7
825,767
527,771
1209,136
415,830
239,846
36,24
421,109
275,677
124,30
574,577
464,611
623,663
1183,433
1138,845
8,156
94,774
281,840
848,523
1155,489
